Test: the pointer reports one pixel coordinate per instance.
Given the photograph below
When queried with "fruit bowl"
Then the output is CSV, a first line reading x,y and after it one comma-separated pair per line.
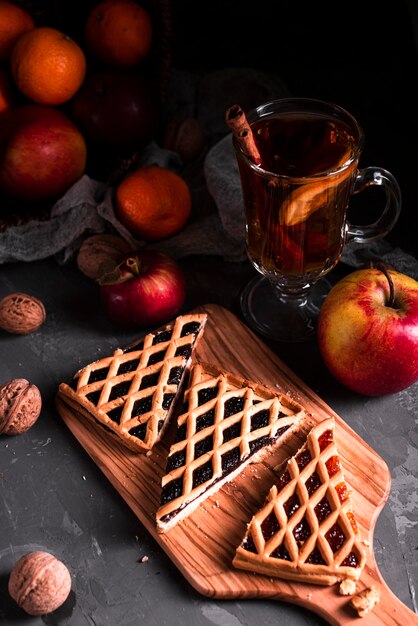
x,y
105,165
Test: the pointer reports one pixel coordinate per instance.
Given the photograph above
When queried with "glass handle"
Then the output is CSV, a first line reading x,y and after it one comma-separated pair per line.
x,y
376,176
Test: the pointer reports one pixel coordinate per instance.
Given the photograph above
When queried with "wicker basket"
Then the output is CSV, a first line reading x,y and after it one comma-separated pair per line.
x,y
70,19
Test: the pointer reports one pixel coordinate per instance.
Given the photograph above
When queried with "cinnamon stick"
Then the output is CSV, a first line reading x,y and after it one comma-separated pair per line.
x,y
238,123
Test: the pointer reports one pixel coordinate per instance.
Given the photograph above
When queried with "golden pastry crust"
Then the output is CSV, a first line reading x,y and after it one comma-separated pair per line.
x,y
229,422
306,530
133,392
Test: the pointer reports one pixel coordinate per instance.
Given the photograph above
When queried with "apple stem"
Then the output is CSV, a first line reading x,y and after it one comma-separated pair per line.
x,y
132,265
382,267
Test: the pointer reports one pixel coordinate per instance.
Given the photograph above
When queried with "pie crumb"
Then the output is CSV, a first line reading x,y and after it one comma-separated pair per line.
x,y
347,587
365,601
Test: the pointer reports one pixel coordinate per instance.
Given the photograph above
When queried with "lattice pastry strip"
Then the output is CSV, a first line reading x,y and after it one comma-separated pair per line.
x,y
133,392
229,422
306,529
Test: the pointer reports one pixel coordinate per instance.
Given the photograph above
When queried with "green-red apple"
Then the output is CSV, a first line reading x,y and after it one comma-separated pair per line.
x,y
368,331
42,153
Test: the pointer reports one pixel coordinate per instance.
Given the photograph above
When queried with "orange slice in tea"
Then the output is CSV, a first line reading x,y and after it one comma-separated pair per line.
x,y
307,199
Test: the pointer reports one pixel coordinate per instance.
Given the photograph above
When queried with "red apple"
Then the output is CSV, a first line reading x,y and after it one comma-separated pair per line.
x,y
42,153
368,331
146,289
117,109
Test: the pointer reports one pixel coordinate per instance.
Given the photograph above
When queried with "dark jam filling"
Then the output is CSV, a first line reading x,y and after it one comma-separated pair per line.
x,y
256,444
134,347
270,526
233,406
171,491
230,460
303,458
335,537
139,431
119,390
325,439
302,531
291,505
351,560
178,459
184,351
162,336
205,421
260,420
115,414
181,433
281,553
201,447
167,400
127,366
97,375
232,432
150,380
94,396
202,474
156,357
315,558
141,406
207,394
313,483
191,328
249,544
322,510
175,375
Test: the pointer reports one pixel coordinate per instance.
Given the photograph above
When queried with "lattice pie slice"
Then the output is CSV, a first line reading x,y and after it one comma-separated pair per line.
x,y
229,422
306,530
133,392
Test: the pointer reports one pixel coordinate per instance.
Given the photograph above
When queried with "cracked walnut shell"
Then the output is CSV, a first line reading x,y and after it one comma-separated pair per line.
x,y
21,314
20,406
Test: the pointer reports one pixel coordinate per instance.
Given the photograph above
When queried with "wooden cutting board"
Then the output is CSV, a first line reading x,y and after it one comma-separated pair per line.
x,y
202,547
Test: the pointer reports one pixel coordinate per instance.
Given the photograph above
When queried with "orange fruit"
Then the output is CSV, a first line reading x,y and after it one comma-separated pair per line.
x,y
118,32
47,65
153,202
14,21
6,90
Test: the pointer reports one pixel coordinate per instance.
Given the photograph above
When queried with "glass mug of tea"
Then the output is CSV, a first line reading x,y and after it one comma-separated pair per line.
x,y
298,165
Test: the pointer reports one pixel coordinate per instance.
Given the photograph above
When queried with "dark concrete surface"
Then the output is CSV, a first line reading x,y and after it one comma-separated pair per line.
x,y
53,497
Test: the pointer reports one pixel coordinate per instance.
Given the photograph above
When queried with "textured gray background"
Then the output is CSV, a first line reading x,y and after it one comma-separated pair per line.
x,y
54,498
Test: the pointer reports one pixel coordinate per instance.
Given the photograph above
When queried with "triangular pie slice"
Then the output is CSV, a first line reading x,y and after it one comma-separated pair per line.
x,y
229,422
132,392
306,530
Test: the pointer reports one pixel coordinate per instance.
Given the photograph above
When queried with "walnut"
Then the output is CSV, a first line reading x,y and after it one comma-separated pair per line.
x,y
100,254
21,314
365,601
39,583
20,406
184,135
